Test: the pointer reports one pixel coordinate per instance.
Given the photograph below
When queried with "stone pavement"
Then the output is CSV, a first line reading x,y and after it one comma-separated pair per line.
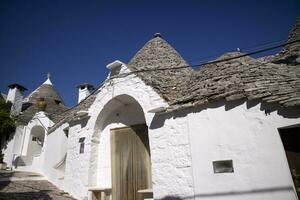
x,y
28,186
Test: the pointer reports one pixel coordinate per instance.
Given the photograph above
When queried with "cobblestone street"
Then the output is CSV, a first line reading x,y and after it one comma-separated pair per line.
x,y
27,186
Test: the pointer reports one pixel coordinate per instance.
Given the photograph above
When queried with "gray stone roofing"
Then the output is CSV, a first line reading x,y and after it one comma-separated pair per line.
x,y
55,104
242,78
289,53
69,114
272,79
157,55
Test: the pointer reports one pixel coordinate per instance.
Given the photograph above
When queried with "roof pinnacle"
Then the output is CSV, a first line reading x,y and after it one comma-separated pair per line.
x,y
157,35
48,81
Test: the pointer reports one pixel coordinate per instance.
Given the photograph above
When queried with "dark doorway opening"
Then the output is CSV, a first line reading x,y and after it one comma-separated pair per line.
x,y
290,137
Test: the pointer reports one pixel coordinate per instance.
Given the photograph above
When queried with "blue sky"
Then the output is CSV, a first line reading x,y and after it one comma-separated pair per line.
x,y
76,39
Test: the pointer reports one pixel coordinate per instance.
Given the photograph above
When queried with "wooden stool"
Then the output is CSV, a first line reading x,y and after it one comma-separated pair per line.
x,y
100,193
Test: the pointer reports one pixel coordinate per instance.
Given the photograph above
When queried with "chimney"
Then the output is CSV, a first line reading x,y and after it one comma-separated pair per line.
x,y
84,90
15,96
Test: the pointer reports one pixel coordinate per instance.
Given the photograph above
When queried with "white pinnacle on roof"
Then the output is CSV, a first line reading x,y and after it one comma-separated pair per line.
x,y
48,81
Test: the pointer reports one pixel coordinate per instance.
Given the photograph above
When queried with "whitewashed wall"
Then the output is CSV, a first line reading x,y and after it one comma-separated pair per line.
x,y
183,145
13,145
170,152
54,152
77,165
250,138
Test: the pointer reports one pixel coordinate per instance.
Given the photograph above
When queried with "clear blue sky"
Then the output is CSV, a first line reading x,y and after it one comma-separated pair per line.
x,y
75,40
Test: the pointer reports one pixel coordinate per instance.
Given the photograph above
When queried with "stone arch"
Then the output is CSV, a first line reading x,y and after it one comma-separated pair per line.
x,y
36,141
121,111
114,104
33,146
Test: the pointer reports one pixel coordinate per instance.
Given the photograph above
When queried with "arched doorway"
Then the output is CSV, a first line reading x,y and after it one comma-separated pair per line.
x,y
124,135
36,141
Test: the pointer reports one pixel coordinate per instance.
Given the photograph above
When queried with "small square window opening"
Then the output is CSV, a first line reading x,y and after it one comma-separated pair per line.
x,y
223,166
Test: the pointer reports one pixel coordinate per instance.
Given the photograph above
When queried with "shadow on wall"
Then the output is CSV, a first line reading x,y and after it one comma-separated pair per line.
x,y
22,161
159,120
5,140
171,198
233,193
83,122
25,195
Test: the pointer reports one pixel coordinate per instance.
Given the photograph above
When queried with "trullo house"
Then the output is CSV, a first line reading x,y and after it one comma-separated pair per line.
x,y
159,129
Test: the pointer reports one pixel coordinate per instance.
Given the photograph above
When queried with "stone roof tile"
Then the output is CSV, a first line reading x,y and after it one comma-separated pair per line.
x,y
240,78
55,104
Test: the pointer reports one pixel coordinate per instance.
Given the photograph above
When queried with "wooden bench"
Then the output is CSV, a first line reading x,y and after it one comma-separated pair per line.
x,y
99,193
146,193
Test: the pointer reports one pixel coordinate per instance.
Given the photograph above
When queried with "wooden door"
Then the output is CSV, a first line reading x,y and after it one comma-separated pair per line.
x,y
131,165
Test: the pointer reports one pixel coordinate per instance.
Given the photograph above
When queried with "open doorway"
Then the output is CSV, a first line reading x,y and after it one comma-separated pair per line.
x,y
290,137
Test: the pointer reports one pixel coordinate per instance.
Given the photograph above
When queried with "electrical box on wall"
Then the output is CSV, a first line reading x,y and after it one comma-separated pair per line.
x,y
223,166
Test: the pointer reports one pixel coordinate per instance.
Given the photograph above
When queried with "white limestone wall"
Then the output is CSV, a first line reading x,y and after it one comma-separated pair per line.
x,y
77,165
50,154
54,153
183,146
35,147
30,151
250,138
171,163
169,146
13,145
39,120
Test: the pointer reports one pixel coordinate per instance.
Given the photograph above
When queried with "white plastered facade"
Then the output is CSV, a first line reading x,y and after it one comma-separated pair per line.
x,y
43,157
248,135
183,145
93,167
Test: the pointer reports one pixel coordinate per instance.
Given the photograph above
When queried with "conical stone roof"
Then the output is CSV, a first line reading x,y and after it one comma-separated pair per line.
x,y
55,104
47,91
233,79
157,55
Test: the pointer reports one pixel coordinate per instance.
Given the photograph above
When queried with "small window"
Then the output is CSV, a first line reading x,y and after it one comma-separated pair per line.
x,y
81,150
81,146
223,166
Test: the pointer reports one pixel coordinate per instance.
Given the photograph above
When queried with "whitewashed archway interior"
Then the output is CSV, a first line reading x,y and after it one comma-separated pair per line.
x,y
121,148
34,146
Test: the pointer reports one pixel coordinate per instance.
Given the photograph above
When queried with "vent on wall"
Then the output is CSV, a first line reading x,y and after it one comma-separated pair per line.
x,y
223,166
